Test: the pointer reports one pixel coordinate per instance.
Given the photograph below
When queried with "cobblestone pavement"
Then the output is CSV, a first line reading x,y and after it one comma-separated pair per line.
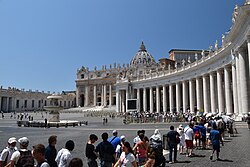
x,y
233,153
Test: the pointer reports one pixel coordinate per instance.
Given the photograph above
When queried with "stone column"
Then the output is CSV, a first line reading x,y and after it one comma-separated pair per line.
x,y
110,95
144,99
94,95
77,97
138,100
123,99
221,104
206,94
86,96
118,100
105,95
157,99
178,97
198,93
243,80
7,104
102,95
228,93
239,116
171,98
191,95
184,95
164,93
235,92
151,100
212,93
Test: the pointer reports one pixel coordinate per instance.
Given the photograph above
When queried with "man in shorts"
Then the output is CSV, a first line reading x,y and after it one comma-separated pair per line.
x,y
189,137
215,138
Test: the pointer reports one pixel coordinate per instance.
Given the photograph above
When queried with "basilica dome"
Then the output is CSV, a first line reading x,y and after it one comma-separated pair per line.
x,y
142,58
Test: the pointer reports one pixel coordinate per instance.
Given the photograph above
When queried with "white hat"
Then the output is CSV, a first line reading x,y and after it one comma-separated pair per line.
x,y
12,140
114,131
24,141
122,137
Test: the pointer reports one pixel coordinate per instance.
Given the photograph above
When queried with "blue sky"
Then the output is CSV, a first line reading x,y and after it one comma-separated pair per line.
x,y
44,42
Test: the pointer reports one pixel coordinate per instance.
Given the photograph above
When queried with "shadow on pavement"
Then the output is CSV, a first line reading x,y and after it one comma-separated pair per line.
x,y
180,162
197,155
225,160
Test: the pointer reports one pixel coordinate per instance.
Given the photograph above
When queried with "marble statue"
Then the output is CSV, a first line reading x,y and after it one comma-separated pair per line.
x,y
183,62
216,45
235,14
203,53
223,40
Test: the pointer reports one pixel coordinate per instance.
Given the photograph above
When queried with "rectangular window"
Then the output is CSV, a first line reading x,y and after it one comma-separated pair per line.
x,y
64,103
39,103
45,102
17,103
69,104
33,103
25,103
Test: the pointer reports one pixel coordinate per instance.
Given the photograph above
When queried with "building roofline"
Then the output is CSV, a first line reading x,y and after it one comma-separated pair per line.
x,y
186,50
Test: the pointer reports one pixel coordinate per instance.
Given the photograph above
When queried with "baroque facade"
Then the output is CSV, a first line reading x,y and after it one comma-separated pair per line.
x,y
213,81
13,99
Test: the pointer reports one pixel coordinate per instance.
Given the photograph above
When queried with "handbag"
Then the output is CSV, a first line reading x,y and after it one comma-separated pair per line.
x,y
178,140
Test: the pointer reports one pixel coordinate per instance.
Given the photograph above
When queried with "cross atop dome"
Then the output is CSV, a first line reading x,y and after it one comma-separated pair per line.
x,y
142,47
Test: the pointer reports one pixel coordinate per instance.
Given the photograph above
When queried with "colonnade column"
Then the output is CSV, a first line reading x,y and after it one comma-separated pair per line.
x,y
86,96
228,93
178,97
77,98
212,93
198,93
94,96
102,95
205,94
191,95
118,100
243,80
144,99
248,50
105,95
171,98
123,99
164,93
110,95
138,99
151,100
184,95
221,104
235,92
157,99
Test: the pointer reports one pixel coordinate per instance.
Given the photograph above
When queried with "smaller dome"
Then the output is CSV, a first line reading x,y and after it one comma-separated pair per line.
x,y
142,58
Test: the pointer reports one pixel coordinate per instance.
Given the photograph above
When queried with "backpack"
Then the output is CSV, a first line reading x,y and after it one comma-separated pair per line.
x,y
25,160
197,135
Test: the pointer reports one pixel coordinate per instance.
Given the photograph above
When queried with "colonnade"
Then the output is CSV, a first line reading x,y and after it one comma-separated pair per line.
x,y
222,90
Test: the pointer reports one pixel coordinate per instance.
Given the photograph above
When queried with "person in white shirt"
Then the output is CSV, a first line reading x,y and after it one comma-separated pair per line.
x,y
189,136
64,156
127,157
8,151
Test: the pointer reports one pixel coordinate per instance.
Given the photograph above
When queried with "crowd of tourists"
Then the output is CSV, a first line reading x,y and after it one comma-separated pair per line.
x,y
204,132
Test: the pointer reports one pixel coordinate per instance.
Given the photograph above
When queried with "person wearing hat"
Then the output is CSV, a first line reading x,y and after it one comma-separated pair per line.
x,y
8,151
115,140
118,149
22,157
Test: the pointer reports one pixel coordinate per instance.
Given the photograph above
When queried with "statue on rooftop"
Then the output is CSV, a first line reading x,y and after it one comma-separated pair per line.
x,y
235,13
216,45
183,62
203,53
